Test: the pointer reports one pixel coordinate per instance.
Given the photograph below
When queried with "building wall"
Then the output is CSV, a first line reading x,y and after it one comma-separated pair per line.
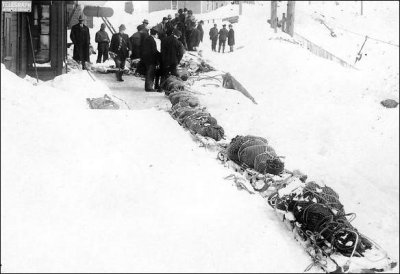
x,y
196,6
159,5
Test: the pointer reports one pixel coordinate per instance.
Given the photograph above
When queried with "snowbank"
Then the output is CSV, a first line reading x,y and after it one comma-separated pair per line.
x,y
326,120
121,191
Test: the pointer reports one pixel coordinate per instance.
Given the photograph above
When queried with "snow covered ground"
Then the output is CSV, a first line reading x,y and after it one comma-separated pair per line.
x,y
127,191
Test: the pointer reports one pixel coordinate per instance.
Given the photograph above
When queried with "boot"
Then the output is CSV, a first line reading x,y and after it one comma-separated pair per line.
x,y
119,76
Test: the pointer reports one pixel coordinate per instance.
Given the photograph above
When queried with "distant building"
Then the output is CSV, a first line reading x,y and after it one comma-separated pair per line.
x,y
196,6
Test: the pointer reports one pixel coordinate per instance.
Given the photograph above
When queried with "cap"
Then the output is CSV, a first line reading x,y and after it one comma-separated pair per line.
x,y
176,33
169,16
122,27
153,30
165,19
80,18
145,21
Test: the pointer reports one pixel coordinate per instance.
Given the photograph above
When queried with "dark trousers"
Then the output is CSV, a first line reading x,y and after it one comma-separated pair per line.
x,y
102,49
150,75
221,43
231,48
214,44
120,65
189,41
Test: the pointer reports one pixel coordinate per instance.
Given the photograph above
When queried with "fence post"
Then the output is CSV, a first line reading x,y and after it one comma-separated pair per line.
x,y
290,18
274,6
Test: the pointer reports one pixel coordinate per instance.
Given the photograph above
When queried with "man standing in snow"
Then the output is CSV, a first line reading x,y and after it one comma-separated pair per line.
x,y
162,28
190,25
169,25
151,59
231,38
201,31
135,42
172,51
102,41
120,49
214,37
80,37
223,34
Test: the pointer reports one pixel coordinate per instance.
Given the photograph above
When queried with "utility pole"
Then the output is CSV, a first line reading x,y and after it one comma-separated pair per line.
x,y
290,18
240,7
362,7
274,8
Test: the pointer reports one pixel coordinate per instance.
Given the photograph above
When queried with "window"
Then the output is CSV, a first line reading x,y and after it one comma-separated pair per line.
x,y
41,33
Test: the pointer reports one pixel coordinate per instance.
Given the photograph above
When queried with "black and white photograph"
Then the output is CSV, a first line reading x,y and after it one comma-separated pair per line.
x,y
199,137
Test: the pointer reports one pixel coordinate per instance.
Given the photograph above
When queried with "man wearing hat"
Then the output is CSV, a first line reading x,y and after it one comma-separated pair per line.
x,y
190,24
80,37
145,23
120,49
151,59
172,51
231,38
223,34
102,41
214,37
162,28
169,25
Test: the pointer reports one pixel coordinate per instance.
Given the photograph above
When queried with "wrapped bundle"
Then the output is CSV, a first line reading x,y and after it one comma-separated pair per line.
x,y
236,143
215,132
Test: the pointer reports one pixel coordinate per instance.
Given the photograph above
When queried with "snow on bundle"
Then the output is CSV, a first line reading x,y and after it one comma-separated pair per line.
x,y
317,218
104,102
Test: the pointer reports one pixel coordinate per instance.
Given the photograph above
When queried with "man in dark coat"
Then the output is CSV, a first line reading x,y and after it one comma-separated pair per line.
x,y
172,51
195,39
231,38
223,34
214,37
169,26
201,31
144,33
151,59
190,24
121,49
181,27
136,42
103,42
162,28
80,37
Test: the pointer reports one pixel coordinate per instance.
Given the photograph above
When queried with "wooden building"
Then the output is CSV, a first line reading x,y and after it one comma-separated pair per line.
x,y
196,6
39,34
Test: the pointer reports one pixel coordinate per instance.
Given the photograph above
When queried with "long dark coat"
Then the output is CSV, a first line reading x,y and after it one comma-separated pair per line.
x,y
231,37
135,42
213,33
172,51
150,54
122,50
80,36
223,34
201,32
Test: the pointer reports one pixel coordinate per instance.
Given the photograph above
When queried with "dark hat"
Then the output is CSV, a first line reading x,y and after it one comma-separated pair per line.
x,y
169,16
153,31
180,11
80,18
145,21
230,25
122,27
140,27
185,9
165,19
201,22
190,11
224,25
215,25
176,33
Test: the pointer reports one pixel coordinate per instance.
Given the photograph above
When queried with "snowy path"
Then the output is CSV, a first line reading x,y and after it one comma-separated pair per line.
x,y
132,91
123,191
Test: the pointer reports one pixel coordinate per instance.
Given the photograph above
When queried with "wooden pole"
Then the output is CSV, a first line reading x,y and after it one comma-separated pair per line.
x,y
290,18
362,8
33,52
283,22
274,7
240,7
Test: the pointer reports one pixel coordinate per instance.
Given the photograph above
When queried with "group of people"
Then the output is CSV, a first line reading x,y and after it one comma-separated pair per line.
x,y
222,35
159,48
